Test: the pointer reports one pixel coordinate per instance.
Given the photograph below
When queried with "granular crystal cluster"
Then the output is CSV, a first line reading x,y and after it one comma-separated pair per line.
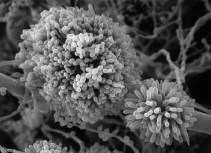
x,y
45,146
78,61
161,111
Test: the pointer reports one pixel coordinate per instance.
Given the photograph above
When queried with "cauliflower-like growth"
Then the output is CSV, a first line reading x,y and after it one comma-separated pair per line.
x,y
161,111
79,61
45,146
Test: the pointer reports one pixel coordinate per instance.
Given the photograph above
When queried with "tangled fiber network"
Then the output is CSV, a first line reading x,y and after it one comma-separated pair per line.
x,y
161,111
78,61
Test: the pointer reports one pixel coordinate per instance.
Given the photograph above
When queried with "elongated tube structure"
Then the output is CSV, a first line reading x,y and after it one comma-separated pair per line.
x,y
203,123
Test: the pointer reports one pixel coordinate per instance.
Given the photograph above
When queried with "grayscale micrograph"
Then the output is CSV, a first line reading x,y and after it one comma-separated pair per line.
x,y
105,76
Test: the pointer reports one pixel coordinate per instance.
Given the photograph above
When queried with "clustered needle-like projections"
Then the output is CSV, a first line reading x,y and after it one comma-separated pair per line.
x,y
44,146
78,60
161,111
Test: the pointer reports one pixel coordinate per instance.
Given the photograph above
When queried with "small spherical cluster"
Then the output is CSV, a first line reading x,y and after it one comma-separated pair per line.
x,y
32,118
97,148
22,135
161,111
45,146
82,58
3,91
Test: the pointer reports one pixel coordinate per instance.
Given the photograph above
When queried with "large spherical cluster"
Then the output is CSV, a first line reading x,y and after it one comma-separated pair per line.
x,y
161,111
78,60
44,146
